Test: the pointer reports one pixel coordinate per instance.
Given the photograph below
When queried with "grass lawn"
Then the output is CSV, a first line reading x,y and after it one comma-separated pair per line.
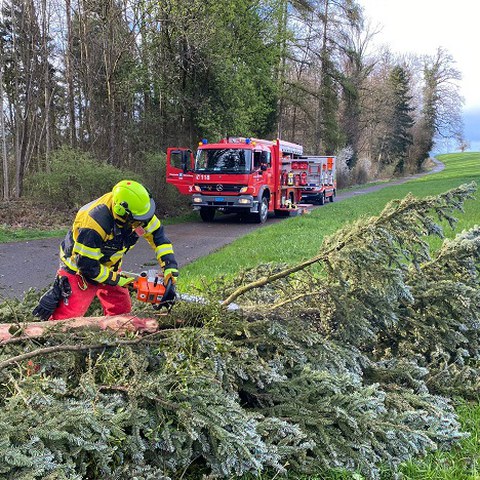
x,y
299,238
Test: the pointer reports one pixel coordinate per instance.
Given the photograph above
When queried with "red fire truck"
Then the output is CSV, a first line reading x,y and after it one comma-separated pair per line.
x,y
250,176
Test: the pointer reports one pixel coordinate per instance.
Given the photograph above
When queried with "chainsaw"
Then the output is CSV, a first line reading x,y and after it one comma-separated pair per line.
x,y
149,288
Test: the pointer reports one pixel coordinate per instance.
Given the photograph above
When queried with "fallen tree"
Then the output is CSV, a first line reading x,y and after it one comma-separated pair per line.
x,y
341,361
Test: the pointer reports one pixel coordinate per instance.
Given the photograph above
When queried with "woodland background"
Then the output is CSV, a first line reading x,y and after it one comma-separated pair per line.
x,y
93,87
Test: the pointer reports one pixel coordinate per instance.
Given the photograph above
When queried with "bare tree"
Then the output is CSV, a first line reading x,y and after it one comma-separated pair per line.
x,y
442,100
6,182
357,67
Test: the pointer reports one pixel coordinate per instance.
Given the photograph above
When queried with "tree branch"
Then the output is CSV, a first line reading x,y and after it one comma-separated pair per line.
x,y
80,348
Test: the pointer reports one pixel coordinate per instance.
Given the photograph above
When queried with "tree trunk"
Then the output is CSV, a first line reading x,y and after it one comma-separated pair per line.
x,y
6,185
118,323
47,93
69,76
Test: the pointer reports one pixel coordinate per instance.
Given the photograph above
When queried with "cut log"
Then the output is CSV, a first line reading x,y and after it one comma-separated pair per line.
x,y
117,323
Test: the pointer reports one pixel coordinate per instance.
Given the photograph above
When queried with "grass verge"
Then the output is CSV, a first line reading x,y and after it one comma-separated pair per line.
x,y
8,234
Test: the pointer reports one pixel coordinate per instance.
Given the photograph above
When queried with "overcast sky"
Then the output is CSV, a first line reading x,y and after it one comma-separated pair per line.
x,y
421,26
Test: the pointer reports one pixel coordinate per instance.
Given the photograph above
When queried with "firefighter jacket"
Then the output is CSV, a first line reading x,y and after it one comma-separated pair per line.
x,y
96,243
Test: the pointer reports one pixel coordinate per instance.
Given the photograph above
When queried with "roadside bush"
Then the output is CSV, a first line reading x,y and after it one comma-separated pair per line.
x,y
361,173
75,178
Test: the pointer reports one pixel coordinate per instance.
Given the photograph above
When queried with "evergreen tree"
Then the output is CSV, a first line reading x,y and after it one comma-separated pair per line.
x,y
399,136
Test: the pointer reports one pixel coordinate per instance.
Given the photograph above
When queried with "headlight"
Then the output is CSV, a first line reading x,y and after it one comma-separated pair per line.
x,y
244,201
197,188
197,199
243,189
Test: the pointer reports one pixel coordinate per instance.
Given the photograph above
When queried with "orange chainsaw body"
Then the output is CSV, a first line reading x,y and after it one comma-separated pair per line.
x,y
149,287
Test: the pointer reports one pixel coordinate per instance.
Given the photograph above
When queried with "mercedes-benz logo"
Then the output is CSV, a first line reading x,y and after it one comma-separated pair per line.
x,y
219,187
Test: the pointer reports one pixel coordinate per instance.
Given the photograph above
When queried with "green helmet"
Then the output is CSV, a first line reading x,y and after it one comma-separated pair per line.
x,y
133,199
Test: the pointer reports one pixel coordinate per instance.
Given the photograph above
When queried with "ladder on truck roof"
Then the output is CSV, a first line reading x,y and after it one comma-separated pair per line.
x,y
285,147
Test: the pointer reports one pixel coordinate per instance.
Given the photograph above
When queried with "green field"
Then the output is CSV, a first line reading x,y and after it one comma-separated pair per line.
x,y
299,238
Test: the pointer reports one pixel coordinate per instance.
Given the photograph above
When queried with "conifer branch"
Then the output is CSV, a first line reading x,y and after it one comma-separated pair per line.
x,y
80,348
451,200
293,299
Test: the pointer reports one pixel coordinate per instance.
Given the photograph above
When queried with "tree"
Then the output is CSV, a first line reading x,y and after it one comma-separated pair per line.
x,y
355,71
392,120
3,133
441,113
401,121
27,82
314,70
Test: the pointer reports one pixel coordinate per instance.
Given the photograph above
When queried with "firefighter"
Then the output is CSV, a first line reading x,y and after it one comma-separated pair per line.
x,y
91,253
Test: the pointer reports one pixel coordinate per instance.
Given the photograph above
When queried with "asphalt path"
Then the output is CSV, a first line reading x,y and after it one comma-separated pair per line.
x,y
32,264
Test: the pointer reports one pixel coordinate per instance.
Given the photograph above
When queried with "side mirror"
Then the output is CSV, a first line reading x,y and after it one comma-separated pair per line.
x,y
263,167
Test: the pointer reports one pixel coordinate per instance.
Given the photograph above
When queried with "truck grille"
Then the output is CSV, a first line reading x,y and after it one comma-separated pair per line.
x,y
219,187
220,204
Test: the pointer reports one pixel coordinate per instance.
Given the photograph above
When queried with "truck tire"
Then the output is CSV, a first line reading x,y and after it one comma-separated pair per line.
x,y
262,214
331,197
207,214
321,199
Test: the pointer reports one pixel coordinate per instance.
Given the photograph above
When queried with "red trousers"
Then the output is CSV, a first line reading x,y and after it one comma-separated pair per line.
x,y
115,300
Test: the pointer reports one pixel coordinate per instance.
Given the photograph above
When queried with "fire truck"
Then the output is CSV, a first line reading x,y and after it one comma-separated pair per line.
x,y
251,177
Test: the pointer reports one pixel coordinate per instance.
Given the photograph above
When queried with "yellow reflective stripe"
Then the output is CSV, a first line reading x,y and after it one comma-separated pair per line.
x,y
84,250
162,250
69,262
152,225
117,256
71,265
103,275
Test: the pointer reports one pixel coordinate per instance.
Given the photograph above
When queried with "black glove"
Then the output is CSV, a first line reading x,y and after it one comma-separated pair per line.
x,y
51,298
168,299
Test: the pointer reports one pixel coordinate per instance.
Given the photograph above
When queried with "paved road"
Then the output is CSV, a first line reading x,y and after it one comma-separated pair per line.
x,y
33,264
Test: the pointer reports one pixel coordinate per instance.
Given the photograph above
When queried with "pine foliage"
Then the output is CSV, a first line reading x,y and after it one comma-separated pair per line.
x,y
346,360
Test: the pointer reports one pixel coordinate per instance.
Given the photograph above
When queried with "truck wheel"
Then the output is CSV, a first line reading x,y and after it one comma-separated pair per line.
x,y
331,197
207,214
262,214
321,199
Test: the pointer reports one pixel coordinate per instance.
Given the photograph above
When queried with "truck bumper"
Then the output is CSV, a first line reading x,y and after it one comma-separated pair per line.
x,y
225,202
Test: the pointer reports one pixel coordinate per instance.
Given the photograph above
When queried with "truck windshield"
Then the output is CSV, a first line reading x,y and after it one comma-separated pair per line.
x,y
225,160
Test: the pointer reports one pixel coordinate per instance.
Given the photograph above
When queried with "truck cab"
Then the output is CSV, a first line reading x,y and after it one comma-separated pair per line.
x,y
235,175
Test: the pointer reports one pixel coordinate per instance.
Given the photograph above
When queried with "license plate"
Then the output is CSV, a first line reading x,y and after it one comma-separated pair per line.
x,y
219,199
